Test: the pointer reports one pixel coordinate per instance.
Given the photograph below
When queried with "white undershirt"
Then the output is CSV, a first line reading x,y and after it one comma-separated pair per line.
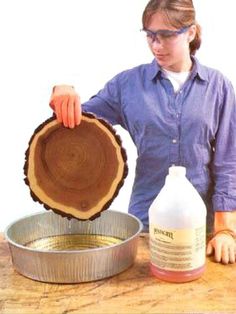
x,y
177,79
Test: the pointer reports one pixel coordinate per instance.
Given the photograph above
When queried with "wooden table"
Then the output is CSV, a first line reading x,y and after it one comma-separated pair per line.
x,y
133,291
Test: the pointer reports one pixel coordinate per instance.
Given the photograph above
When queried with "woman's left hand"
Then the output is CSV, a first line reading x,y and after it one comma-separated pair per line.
x,y
223,246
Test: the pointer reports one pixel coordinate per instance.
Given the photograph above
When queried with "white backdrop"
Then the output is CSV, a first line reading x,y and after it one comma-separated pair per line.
x,y
83,43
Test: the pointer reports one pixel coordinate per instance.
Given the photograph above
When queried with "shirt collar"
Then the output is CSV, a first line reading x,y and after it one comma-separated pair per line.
x,y
198,70
153,70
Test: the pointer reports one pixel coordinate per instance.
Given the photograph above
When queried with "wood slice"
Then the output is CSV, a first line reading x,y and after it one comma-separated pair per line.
x,y
75,172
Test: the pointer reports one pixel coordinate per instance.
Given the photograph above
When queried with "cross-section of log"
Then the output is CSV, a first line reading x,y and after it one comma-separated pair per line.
x,y
75,172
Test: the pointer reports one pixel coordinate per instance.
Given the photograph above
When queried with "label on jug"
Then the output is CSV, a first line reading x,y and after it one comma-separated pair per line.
x,y
177,250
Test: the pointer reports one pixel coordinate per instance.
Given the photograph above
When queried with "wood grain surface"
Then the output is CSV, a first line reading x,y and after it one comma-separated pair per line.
x,y
133,291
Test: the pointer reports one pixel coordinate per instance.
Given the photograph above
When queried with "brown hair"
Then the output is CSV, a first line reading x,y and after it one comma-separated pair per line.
x,y
179,13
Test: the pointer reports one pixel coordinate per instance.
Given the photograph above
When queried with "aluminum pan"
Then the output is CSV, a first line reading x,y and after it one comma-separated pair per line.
x,y
76,265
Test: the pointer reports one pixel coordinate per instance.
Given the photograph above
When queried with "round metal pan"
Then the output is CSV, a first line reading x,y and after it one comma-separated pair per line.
x,y
49,248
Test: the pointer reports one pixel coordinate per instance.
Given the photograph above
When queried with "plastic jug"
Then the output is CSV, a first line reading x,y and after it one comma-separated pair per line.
x,y
177,225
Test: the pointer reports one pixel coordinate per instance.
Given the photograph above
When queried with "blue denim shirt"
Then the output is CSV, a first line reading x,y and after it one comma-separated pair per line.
x,y
194,128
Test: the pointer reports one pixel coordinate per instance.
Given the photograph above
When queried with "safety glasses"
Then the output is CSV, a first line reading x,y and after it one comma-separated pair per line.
x,y
163,34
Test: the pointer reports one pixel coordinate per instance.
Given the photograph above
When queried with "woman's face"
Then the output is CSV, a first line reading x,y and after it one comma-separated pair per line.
x,y
172,53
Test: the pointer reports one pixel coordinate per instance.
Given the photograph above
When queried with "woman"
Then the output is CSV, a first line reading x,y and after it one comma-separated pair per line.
x,y
178,112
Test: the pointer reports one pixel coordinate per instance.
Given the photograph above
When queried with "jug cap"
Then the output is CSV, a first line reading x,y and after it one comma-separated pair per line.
x,y
177,171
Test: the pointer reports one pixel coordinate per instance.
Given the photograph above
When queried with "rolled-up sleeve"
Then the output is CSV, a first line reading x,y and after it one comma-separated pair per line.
x,y
224,162
107,102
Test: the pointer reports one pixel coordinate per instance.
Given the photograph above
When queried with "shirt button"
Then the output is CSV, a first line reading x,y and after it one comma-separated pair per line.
x,y
174,141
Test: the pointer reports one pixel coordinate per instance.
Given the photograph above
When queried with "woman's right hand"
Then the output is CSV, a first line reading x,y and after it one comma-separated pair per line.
x,y
65,102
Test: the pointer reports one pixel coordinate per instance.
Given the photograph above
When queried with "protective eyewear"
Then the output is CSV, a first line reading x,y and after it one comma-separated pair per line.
x,y
163,34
